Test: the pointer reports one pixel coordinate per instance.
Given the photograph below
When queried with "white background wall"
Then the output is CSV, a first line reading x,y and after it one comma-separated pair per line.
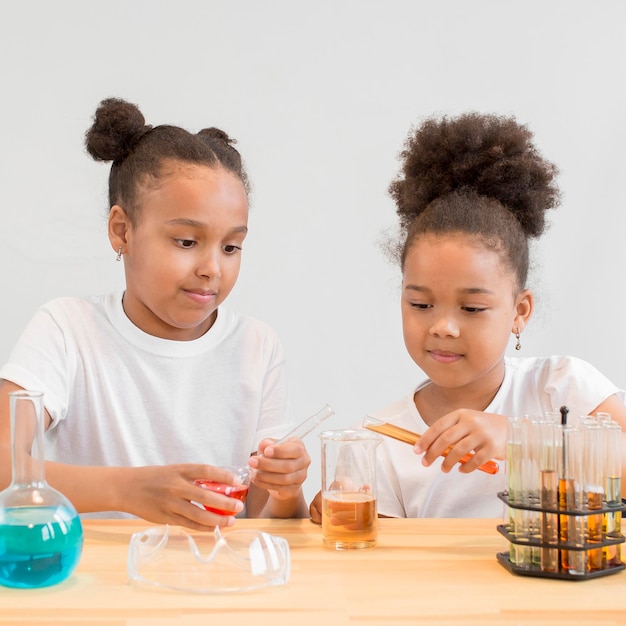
x,y
320,96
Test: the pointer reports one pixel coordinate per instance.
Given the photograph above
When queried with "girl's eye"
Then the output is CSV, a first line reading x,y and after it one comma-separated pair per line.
x,y
231,248
421,306
473,309
186,243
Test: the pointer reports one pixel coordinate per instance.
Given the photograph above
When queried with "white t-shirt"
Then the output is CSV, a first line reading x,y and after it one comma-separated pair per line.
x,y
531,386
120,397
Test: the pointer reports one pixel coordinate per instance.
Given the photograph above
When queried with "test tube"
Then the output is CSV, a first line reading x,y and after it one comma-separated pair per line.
x,y
518,555
532,479
552,416
572,527
548,449
587,420
612,488
593,438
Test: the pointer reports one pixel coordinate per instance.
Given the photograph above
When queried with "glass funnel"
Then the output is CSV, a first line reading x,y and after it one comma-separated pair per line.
x,y
41,536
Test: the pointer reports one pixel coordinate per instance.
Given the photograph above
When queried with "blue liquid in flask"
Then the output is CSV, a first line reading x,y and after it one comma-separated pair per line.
x,y
39,546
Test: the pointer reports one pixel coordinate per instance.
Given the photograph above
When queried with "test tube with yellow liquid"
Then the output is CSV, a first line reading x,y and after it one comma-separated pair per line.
x,y
593,466
549,448
612,520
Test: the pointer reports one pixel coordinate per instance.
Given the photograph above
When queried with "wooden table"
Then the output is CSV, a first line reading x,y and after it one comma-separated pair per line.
x,y
426,571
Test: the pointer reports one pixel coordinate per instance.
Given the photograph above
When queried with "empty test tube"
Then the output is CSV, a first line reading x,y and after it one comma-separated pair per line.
x,y
602,417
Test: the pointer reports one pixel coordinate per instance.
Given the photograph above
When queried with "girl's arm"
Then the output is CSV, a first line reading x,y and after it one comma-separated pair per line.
x,y
485,433
160,494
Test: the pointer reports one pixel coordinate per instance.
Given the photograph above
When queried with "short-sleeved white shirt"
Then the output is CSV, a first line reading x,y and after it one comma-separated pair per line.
x,y
120,397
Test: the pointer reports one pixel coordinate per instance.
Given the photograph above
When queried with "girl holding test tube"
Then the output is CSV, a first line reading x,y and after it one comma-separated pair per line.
x,y
150,390
473,190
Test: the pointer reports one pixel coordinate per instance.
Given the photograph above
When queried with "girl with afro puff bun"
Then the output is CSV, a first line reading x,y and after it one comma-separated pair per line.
x,y
472,192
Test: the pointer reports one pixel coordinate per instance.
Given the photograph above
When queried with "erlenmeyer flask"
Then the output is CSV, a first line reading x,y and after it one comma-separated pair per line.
x,y
41,536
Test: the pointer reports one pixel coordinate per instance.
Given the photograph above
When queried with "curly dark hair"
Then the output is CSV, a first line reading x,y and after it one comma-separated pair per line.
x,y
139,152
476,174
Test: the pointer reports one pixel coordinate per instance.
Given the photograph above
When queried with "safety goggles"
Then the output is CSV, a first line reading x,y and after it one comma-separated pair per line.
x,y
238,560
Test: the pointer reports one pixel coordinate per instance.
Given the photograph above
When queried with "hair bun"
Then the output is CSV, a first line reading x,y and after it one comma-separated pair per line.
x,y
222,146
489,155
118,125
216,133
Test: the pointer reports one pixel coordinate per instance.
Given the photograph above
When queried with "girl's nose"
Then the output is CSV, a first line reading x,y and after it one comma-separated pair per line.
x,y
445,326
209,265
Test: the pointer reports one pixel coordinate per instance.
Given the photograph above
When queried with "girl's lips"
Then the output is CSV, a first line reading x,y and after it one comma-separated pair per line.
x,y
444,357
202,297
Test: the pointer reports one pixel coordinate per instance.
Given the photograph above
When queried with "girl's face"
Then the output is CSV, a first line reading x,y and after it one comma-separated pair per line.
x,y
182,256
458,311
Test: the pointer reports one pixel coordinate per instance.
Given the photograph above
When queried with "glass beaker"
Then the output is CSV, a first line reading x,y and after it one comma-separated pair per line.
x,y
41,536
349,512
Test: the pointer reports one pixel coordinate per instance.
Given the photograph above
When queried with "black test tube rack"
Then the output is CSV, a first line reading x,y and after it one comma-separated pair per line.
x,y
539,542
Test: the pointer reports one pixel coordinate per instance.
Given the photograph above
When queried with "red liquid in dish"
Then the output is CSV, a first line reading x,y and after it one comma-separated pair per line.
x,y
232,491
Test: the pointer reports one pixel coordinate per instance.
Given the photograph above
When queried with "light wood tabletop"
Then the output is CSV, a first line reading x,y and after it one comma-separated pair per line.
x,y
423,571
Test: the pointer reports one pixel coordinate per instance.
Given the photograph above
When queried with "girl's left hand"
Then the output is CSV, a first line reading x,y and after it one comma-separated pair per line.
x,y
465,431
282,469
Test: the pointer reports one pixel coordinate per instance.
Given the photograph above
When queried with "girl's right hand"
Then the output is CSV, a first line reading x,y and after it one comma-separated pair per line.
x,y
166,495
465,431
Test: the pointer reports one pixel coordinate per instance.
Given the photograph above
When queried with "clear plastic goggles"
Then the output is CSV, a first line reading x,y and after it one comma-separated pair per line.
x,y
239,560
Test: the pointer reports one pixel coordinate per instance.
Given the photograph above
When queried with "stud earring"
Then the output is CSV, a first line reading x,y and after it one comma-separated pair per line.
x,y
119,254
518,345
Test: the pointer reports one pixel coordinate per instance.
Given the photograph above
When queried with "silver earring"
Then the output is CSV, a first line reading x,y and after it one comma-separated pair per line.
x,y
518,345
119,254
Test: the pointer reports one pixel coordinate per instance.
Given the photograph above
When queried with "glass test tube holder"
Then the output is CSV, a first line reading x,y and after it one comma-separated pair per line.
x,y
585,547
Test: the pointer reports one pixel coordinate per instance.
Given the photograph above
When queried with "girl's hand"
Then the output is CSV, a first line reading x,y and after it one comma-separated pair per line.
x,y
280,472
282,469
165,495
466,431
315,508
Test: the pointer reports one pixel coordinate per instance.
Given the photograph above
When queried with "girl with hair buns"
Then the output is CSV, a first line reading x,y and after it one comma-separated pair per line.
x,y
472,191
149,390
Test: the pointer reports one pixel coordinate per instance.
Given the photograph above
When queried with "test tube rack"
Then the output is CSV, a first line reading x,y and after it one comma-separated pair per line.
x,y
585,551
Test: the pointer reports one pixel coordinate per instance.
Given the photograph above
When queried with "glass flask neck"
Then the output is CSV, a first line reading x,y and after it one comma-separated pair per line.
x,y
27,438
